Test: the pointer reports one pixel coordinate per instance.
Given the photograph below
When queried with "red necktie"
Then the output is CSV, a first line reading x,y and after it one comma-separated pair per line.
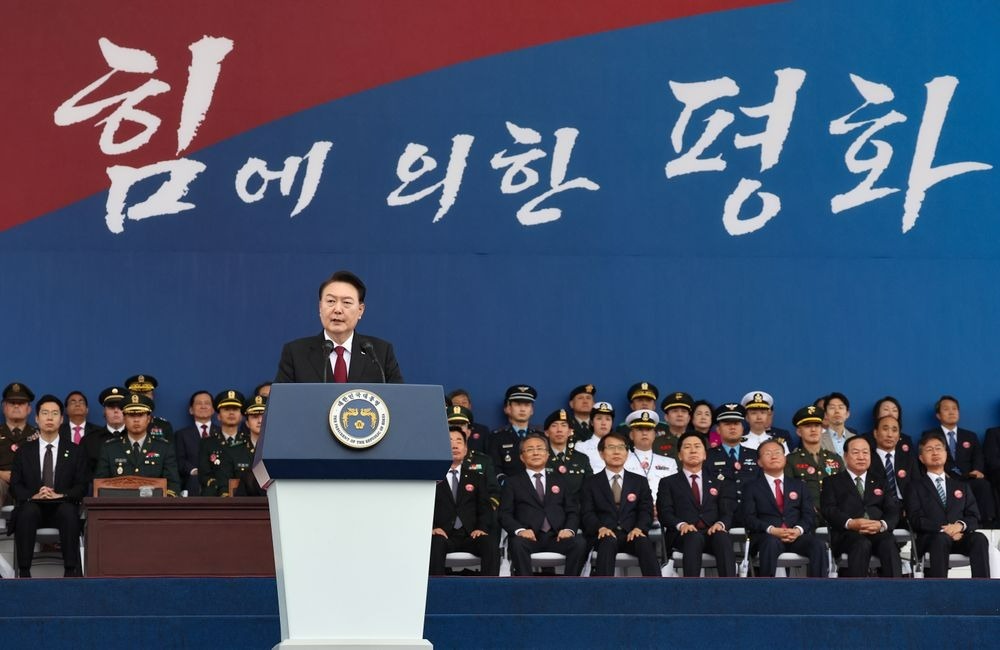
x,y
340,367
204,431
779,497
76,434
694,490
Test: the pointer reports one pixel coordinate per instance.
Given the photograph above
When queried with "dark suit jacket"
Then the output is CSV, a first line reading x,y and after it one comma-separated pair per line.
x,y
760,510
991,455
303,361
968,453
70,476
598,509
840,501
904,462
472,505
520,506
925,512
675,501
187,441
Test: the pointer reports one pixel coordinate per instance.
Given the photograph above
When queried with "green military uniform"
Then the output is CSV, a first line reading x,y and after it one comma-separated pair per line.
x,y
10,441
574,469
460,418
237,458
213,450
156,459
159,428
581,430
813,470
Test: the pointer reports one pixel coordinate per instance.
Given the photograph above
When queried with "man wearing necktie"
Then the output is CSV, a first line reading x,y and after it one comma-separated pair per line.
x,y
617,510
581,402
894,459
944,514
862,512
201,406
564,460
966,460
14,432
537,512
75,425
732,461
339,353
48,481
698,507
779,515
463,515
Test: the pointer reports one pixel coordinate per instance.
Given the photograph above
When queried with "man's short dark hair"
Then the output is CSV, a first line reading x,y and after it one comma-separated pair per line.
x,y
349,278
201,392
770,441
611,434
256,391
533,435
847,443
841,397
80,393
937,404
458,392
48,399
931,435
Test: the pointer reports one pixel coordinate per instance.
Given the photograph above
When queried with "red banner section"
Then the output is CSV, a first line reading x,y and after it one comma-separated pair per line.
x,y
284,57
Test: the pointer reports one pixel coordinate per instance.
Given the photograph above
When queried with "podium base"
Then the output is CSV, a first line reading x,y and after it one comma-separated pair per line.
x,y
354,644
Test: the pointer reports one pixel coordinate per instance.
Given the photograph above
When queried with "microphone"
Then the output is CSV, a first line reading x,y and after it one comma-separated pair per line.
x,y
328,350
368,350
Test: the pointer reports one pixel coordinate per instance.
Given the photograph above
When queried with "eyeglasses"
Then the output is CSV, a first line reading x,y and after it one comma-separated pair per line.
x,y
48,412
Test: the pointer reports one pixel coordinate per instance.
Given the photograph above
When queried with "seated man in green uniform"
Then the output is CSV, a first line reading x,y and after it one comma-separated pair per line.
x,y
212,450
810,462
14,432
138,453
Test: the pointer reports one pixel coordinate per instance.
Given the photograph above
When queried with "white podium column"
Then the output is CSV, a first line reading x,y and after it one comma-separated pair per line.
x,y
351,561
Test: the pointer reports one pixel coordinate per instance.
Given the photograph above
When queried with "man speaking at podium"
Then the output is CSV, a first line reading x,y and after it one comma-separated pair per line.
x,y
339,354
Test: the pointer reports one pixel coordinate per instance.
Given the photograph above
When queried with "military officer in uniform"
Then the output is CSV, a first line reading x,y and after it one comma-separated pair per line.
x,y
677,408
731,461
460,419
519,406
574,468
602,420
811,463
643,460
145,385
111,400
581,402
14,432
237,459
642,396
138,453
213,449
760,410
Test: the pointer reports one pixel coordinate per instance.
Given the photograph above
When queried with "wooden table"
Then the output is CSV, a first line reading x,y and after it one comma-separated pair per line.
x,y
196,536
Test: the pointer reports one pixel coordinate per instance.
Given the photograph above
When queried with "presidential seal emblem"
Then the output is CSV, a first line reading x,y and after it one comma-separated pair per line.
x,y
359,419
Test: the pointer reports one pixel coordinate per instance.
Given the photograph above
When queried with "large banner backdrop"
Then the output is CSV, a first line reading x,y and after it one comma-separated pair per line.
x,y
713,195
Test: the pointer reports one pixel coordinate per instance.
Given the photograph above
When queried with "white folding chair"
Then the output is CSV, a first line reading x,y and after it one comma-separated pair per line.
x,y
707,563
623,562
460,560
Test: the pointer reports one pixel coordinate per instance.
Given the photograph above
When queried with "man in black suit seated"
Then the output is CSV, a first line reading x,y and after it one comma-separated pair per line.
x,y
861,511
188,440
617,510
894,459
463,515
965,456
537,512
48,479
779,515
944,515
339,354
699,507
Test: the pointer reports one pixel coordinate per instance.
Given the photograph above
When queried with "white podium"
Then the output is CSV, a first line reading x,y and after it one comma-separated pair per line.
x,y
351,526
